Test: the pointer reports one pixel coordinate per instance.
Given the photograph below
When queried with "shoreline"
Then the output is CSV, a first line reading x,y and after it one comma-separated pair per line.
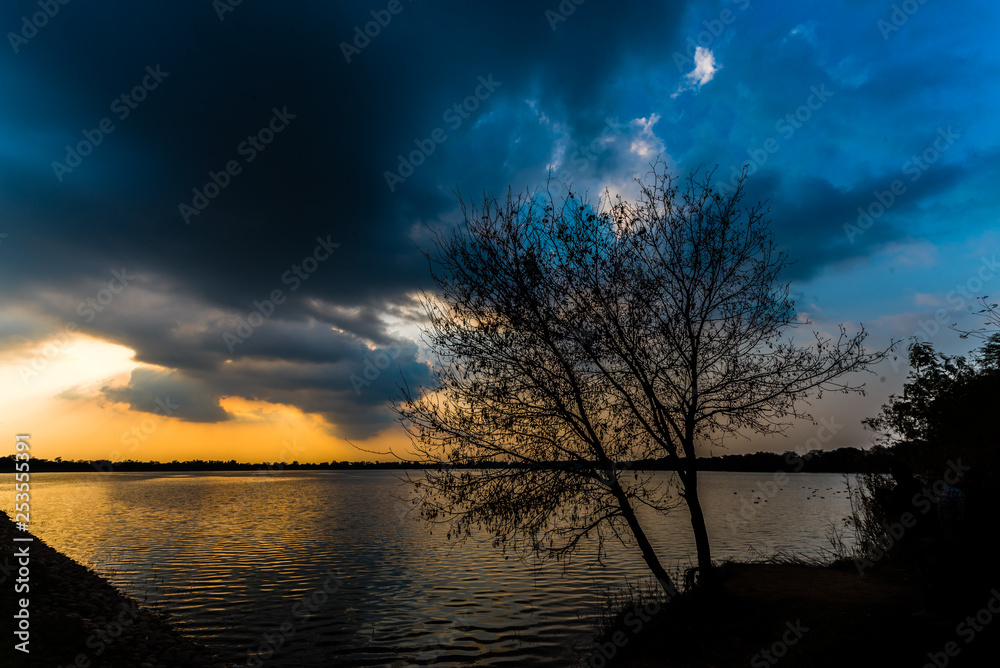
x,y
77,618
764,614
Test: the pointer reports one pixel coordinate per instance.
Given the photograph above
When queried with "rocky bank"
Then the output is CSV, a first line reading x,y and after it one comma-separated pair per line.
x,y
77,618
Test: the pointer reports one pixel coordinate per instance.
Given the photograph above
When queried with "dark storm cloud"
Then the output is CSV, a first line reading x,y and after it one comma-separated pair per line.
x,y
168,93
819,225
168,394
191,96
322,175
350,391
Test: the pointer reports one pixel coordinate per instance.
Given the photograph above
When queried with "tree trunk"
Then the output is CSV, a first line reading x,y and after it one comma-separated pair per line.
x,y
690,479
648,555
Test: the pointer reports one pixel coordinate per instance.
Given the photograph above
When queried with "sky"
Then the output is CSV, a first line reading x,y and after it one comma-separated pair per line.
x,y
211,213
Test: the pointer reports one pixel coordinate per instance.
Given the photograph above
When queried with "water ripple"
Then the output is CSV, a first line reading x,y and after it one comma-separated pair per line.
x,y
241,560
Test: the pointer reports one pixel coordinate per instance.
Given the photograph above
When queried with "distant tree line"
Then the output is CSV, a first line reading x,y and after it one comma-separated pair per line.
x,y
132,465
841,460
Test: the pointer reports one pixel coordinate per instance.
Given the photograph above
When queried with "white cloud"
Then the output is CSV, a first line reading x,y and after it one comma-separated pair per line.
x,y
926,299
705,68
646,143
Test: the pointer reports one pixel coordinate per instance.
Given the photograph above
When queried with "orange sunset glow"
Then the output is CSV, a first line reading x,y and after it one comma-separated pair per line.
x,y
54,391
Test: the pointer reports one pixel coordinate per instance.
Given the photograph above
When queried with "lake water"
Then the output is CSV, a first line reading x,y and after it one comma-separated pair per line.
x,y
328,568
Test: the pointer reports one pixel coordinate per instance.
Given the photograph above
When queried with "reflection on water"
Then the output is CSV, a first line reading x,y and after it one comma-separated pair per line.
x,y
325,568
